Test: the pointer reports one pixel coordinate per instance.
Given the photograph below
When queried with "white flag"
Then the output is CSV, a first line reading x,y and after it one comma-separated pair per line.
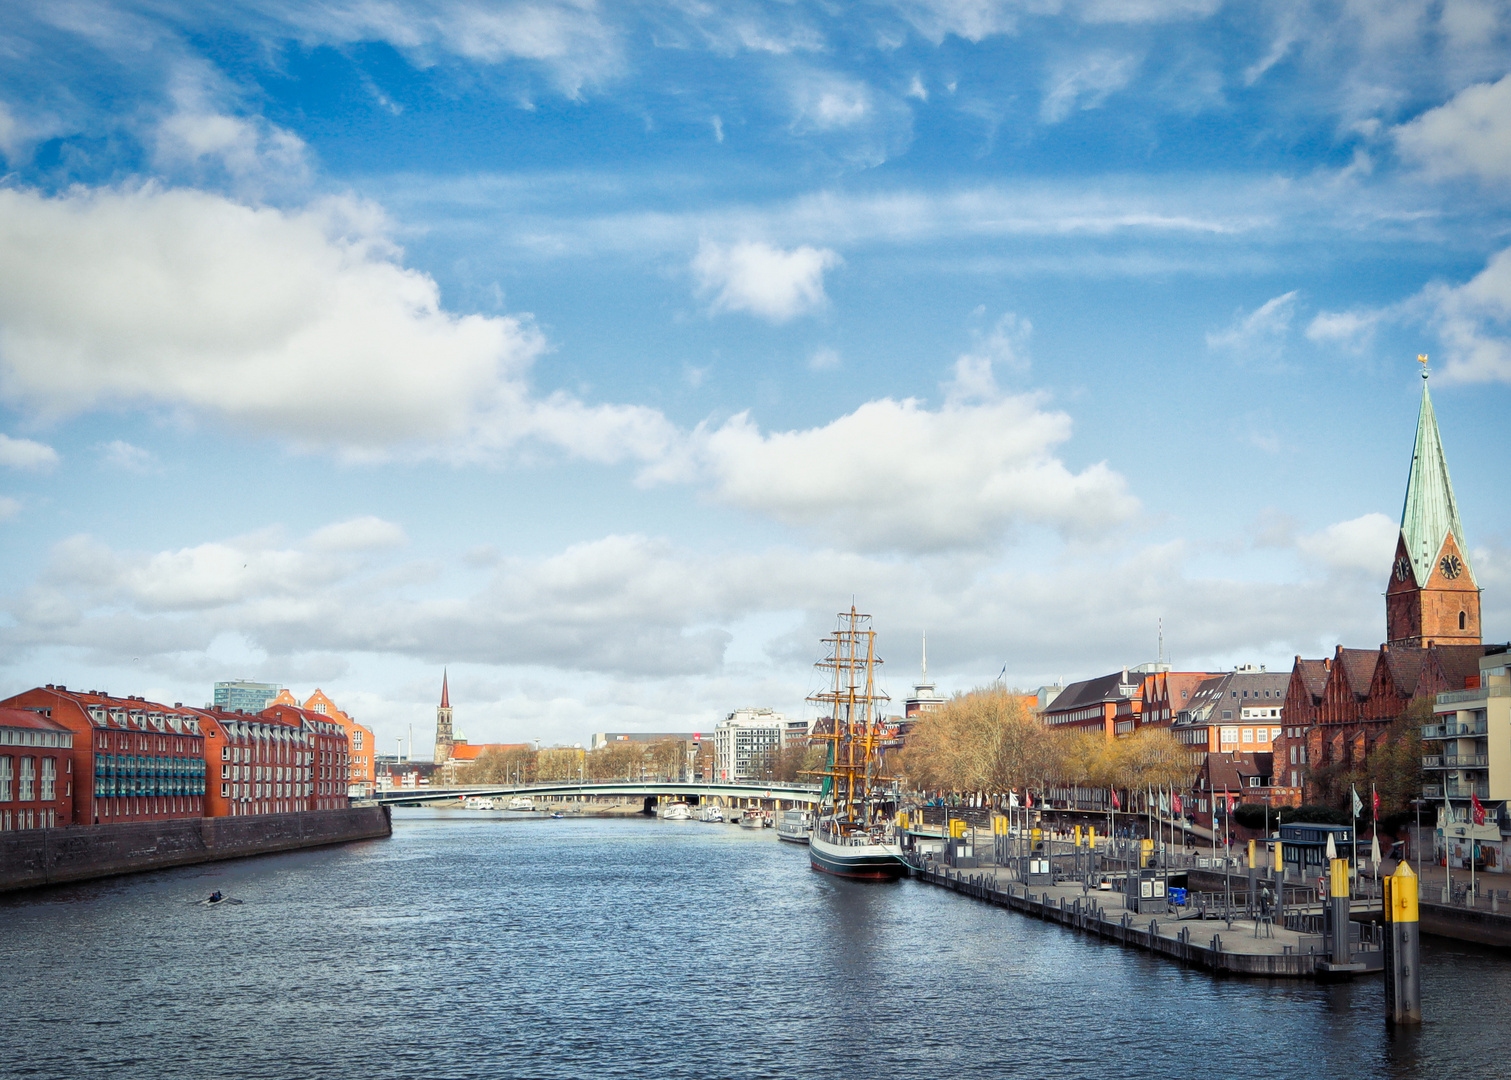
x,y
1332,848
1374,850
1358,802
1012,798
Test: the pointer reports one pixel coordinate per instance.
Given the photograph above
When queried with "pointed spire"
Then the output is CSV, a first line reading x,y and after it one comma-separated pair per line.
x,y
1430,512
445,692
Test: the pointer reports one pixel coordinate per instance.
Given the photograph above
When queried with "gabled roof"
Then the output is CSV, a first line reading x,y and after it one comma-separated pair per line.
x,y
1096,691
1313,674
1357,666
1430,513
1458,663
1405,668
26,718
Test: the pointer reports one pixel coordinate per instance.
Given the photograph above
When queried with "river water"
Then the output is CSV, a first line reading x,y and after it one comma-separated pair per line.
x,y
471,946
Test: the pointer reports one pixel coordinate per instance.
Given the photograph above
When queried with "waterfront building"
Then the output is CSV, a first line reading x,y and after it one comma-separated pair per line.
x,y
1120,703
320,767
131,759
1467,756
36,771
746,742
259,763
604,738
361,749
1338,709
443,730
1235,713
244,696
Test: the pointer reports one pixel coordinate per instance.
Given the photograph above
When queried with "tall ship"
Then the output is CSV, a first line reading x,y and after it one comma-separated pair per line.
x,y
852,833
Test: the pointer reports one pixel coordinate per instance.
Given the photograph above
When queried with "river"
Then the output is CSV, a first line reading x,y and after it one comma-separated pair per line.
x,y
471,946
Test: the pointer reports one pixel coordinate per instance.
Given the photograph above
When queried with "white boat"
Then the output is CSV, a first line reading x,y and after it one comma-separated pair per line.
x,y
711,813
852,837
521,802
674,811
795,826
472,803
752,819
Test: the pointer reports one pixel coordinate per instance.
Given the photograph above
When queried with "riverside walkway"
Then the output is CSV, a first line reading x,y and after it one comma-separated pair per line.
x,y
1239,946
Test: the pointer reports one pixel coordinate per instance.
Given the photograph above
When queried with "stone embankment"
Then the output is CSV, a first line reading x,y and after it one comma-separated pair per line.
x,y
54,856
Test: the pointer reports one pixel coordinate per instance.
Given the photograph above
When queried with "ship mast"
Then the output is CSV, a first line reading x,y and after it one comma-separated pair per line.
x,y
853,727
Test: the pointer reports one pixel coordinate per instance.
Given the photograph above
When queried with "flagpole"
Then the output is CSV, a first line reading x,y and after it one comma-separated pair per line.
x,y
1353,837
1374,810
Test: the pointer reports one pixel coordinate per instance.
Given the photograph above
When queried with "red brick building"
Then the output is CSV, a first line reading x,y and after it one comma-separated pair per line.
x,y
36,771
282,760
1337,709
131,759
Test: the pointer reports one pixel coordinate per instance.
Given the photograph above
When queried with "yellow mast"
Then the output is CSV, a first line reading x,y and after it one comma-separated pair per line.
x,y
852,722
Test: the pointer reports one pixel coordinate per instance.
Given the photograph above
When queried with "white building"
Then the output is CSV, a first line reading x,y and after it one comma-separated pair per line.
x,y
746,741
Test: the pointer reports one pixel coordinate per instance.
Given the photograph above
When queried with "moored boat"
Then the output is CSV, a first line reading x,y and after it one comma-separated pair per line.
x,y
674,811
853,835
795,826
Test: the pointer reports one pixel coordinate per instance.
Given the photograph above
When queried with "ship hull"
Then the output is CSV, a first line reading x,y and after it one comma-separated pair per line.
x,y
862,862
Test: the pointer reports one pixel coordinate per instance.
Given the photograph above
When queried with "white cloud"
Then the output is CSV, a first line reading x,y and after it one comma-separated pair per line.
x,y
1259,335
1085,82
1353,331
1362,545
893,475
201,136
359,534
119,454
26,454
569,38
1470,135
824,359
976,20
299,324
770,282
1474,322
9,508
1005,345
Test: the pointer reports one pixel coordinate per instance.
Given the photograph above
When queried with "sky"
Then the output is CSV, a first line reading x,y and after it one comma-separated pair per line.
x,y
599,354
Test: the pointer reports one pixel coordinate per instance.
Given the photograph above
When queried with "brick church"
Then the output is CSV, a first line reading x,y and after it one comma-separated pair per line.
x,y
1338,707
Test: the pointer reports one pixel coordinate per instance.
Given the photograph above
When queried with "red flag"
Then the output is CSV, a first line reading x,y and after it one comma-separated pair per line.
x,y
1028,798
1116,802
1375,798
1479,811
1176,805
1231,799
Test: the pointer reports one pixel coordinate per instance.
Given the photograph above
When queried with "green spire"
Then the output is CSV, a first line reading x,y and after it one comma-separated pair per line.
x,y
1430,513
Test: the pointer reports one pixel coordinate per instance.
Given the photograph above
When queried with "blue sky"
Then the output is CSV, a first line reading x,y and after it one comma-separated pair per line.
x,y
603,352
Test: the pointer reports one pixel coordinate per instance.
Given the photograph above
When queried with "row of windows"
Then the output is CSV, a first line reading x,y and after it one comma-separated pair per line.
x,y
28,819
25,780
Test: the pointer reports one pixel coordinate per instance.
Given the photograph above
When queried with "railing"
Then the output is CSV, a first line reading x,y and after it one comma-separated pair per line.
x,y
1453,730
1456,791
1445,761
1457,697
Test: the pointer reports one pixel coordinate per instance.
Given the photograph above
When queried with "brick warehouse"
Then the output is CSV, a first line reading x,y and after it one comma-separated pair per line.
x,y
1337,708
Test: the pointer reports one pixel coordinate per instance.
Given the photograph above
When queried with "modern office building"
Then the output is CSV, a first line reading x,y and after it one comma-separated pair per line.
x,y
243,696
746,743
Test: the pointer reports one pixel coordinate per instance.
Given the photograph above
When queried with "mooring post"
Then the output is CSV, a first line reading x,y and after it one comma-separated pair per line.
x,y
1340,907
1403,981
1250,905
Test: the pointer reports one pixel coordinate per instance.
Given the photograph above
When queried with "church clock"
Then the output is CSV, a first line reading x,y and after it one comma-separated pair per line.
x,y
1403,568
1450,566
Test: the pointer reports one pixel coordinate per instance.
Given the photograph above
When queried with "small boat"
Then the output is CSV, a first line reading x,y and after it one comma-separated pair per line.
x,y
521,802
752,819
557,814
710,813
795,826
674,811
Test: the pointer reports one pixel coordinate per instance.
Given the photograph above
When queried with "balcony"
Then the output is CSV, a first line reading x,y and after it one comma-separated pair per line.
x,y
1456,791
1454,730
1479,693
1445,761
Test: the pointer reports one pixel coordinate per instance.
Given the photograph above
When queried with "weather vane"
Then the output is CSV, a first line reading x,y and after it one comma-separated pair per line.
x,y
1422,359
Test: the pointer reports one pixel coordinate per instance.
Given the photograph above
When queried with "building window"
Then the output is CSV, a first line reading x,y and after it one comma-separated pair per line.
x,y
6,767
1461,620
1248,735
49,779
27,789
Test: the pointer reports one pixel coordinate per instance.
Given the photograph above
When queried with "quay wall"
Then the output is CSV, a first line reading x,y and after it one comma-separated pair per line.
x,y
1465,924
36,857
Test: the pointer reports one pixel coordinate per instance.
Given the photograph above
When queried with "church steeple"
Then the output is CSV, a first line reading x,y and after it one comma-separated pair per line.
x,y
444,740
1432,597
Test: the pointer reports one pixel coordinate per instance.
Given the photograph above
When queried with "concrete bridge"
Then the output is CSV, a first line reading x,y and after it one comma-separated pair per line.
x,y
719,793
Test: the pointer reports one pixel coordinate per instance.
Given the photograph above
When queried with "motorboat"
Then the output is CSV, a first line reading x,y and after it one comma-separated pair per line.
x,y
521,803
795,826
674,811
711,813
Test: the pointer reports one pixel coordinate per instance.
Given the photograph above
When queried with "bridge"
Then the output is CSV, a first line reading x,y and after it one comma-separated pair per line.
x,y
719,793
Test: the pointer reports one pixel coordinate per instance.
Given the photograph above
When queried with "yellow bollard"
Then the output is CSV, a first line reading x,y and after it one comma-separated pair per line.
x,y
1403,984
1253,862
1078,836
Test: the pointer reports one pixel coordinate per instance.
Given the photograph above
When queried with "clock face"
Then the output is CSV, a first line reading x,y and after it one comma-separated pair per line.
x,y
1403,568
1451,566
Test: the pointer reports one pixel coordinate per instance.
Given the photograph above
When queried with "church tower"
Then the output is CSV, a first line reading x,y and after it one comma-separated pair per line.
x,y
443,738
1432,598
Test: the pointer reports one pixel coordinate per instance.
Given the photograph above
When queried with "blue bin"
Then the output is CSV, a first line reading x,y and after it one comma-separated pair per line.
x,y
1178,897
